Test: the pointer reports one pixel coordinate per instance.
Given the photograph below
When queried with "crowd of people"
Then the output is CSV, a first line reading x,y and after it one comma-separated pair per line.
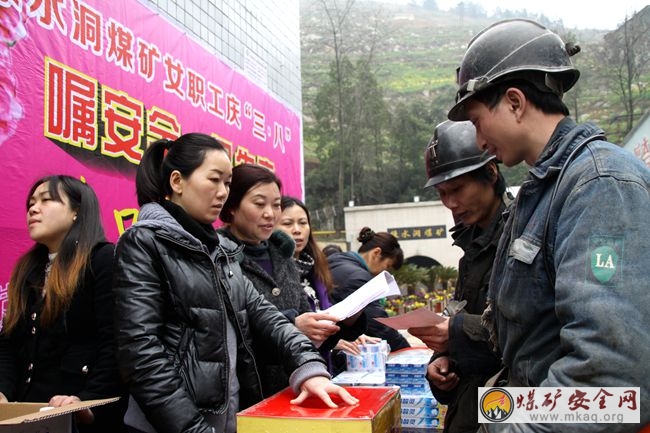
x,y
189,324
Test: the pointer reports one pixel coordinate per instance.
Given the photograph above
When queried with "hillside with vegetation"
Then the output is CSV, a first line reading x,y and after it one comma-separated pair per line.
x,y
378,77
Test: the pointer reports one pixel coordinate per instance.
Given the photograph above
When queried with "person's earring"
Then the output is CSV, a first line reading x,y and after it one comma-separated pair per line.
x,y
74,218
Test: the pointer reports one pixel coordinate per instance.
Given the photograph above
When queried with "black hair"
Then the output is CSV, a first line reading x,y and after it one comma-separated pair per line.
x,y
330,249
385,241
484,174
547,102
71,261
162,157
245,177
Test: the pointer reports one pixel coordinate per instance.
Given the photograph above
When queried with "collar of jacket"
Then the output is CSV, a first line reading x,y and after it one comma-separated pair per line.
x,y
279,239
156,217
359,258
464,235
567,135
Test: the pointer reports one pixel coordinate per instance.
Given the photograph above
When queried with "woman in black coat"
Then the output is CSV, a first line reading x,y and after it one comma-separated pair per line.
x,y
187,320
57,342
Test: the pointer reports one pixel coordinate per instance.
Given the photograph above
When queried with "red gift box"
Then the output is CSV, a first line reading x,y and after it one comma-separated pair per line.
x,y
378,411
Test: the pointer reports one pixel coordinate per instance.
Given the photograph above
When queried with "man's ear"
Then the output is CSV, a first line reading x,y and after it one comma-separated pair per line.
x,y
515,100
492,170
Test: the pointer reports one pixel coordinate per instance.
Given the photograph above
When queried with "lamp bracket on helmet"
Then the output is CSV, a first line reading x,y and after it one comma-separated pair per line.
x,y
452,152
514,49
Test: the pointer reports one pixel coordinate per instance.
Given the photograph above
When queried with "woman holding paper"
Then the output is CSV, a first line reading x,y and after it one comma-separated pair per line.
x,y
378,252
251,213
315,275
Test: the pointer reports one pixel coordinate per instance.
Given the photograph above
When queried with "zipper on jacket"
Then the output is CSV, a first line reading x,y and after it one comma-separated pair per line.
x,y
240,334
224,407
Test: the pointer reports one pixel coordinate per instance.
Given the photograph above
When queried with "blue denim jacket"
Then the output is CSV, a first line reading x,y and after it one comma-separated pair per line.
x,y
589,323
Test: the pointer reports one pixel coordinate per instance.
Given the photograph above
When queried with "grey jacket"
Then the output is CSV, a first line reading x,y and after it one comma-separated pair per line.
x,y
282,289
581,317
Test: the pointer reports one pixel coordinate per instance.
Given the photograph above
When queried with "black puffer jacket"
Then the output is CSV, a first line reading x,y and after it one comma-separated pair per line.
x,y
283,290
286,292
172,304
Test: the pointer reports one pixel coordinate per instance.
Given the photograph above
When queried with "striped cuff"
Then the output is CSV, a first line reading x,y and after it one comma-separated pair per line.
x,y
307,371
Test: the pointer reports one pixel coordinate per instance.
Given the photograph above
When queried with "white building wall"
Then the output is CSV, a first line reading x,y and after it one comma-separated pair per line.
x,y
417,214
260,38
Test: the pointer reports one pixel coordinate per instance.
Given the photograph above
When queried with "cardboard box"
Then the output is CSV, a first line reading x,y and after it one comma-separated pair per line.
x,y
378,411
30,418
407,369
372,358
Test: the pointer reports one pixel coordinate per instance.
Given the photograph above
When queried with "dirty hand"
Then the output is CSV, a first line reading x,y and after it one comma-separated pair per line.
x,y
322,387
84,416
436,337
438,373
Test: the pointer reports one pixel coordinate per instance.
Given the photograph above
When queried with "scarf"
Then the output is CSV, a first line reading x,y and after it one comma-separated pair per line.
x,y
203,232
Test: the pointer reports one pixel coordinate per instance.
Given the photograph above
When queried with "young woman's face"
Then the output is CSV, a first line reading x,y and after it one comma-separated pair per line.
x,y
255,218
204,192
380,265
376,262
49,220
294,222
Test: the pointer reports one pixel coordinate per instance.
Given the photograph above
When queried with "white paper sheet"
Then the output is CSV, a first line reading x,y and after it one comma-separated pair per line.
x,y
381,286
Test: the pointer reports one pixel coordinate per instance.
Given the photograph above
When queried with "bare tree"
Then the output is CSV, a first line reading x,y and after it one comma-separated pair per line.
x,y
349,38
628,56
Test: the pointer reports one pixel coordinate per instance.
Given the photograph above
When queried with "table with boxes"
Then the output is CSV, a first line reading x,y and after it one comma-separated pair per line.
x,y
406,369
393,392
420,410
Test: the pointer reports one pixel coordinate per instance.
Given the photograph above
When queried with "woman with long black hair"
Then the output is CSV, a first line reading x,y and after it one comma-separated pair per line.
x,y
57,343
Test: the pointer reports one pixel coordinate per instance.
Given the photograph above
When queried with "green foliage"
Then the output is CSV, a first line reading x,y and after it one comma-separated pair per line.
x,y
410,275
432,278
349,130
396,81
515,176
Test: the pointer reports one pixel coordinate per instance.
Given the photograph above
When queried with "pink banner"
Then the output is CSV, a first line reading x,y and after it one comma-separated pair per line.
x,y
85,85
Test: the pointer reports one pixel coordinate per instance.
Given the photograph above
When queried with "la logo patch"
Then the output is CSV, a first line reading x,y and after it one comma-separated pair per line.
x,y
605,259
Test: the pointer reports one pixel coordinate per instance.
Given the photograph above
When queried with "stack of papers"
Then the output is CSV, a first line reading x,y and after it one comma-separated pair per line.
x,y
381,286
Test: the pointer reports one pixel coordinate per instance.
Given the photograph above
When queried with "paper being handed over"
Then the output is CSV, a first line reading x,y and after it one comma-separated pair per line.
x,y
413,319
380,286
